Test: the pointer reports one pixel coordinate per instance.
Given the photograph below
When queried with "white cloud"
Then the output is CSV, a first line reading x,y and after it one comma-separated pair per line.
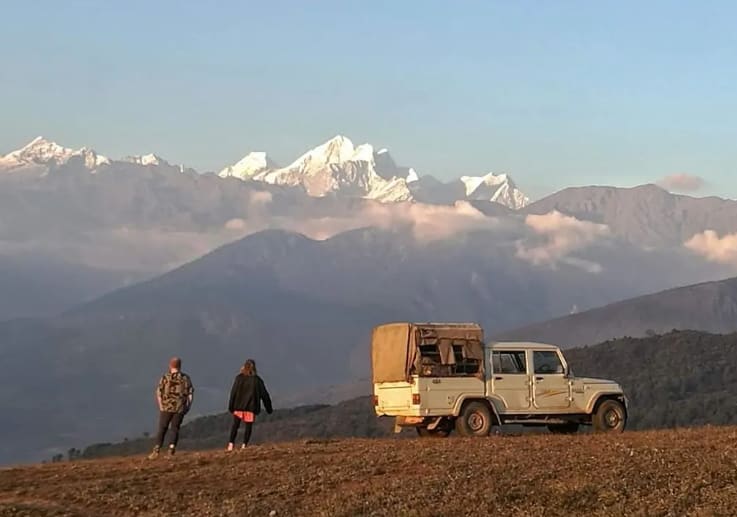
x,y
682,183
427,222
559,236
714,248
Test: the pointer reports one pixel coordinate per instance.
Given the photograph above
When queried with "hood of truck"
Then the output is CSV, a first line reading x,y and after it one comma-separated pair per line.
x,y
592,380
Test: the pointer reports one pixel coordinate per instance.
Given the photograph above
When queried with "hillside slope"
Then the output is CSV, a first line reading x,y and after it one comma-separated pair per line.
x,y
644,473
708,307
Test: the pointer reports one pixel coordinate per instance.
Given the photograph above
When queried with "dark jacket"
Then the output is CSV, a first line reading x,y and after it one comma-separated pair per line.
x,y
247,393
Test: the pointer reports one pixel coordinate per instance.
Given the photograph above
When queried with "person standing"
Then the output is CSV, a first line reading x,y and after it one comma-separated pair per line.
x,y
246,395
174,395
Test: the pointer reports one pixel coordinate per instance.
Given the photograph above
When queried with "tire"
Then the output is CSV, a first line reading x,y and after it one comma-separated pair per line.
x,y
475,420
610,417
571,428
438,432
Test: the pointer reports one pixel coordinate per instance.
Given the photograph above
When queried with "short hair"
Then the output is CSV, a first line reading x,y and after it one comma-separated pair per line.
x,y
175,362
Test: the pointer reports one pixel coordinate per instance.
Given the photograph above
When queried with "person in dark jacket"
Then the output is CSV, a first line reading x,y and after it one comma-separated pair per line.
x,y
246,395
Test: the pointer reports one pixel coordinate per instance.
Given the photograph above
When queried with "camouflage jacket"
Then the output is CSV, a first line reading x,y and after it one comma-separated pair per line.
x,y
174,392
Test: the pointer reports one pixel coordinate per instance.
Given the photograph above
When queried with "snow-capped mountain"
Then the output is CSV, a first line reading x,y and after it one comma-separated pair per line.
x,y
146,159
151,160
335,167
338,167
42,152
249,166
45,154
498,188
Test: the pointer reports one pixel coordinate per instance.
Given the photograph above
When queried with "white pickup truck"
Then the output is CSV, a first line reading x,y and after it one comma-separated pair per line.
x,y
438,377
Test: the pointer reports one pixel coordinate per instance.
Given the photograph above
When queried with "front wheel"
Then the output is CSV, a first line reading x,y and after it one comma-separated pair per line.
x,y
610,417
474,420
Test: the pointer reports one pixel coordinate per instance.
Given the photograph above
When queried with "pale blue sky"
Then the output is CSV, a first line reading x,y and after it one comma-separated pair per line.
x,y
556,93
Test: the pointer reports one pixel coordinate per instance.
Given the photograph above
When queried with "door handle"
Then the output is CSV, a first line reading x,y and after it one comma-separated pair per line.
x,y
539,378
498,378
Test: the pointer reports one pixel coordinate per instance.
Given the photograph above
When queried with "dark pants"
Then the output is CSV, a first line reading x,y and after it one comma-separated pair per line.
x,y
248,427
169,421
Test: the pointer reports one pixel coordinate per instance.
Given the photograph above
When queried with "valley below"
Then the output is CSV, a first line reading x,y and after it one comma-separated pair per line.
x,y
670,472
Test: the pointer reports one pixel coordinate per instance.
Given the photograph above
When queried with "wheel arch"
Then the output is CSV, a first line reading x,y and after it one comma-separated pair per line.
x,y
601,397
488,401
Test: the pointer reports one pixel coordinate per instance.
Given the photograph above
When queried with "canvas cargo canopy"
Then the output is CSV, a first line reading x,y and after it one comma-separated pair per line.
x,y
395,347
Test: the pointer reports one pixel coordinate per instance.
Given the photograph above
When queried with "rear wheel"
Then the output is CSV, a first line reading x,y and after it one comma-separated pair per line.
x,y
475,420
610,417
571,428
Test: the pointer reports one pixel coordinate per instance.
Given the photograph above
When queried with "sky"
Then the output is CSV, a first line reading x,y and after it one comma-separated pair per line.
x,y
555,93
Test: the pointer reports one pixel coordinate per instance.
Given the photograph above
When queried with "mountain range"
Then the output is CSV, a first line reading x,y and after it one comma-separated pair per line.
x,y
336,167
294,265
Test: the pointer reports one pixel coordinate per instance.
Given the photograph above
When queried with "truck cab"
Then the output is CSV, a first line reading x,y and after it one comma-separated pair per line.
x,y
440,377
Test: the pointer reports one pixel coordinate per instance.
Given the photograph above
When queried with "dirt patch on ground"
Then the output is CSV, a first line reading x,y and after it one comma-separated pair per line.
x,y
682,472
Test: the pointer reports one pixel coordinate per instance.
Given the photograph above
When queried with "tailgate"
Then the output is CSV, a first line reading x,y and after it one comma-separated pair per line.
x,y
393,395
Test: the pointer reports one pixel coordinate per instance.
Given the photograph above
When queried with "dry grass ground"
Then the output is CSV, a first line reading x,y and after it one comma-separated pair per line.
x,y
683,472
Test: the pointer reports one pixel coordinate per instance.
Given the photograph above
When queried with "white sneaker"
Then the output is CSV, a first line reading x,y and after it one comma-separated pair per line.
x,y
230,447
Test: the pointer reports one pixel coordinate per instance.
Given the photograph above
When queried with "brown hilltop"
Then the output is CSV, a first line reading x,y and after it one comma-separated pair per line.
x,y
678,472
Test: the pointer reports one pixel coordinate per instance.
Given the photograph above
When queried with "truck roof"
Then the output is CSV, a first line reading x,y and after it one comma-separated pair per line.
x,y
520,345
435,324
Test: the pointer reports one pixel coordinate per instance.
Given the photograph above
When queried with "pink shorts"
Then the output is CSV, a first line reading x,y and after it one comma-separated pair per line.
x,y
246,416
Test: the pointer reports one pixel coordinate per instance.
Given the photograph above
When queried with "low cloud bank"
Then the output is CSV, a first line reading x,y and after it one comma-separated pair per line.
x,y
559,236
708,244
427,222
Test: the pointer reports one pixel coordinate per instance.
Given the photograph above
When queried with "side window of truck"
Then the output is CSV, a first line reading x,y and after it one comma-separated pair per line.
x,y
509,362
547,362
464,365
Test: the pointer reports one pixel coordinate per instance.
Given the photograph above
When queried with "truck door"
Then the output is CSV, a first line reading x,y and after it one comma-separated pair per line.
x,y
510,380
550,387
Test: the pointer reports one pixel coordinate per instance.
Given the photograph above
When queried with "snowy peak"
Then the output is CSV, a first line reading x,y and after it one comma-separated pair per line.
x,y
146,159
41,151
499,188
252,164
154,160
90,158
334,167
338,149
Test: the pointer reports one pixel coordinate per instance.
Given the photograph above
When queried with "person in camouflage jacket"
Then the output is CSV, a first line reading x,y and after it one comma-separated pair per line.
x,y
174,395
